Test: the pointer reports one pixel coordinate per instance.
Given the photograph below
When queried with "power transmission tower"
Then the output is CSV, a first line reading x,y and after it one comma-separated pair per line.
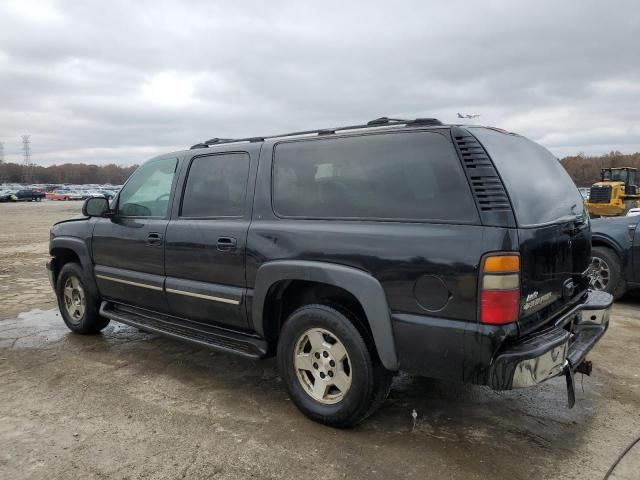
x,y
26,151
1,152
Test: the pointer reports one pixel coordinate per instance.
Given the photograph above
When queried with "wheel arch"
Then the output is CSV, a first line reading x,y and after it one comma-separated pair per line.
x,y
272,277
69,249
607,242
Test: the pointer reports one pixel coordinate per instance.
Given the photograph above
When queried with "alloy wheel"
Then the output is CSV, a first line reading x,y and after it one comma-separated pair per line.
x,y
74,299
322,366
600,274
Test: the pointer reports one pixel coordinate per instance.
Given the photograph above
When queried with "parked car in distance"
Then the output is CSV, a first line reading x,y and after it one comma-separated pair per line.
x,y
8,196
108,194
76,195
29,195
64,195
615,254
58,195
349,253
633,212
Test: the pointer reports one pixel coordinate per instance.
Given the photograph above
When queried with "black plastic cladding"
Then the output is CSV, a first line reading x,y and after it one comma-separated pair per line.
x,y
488,190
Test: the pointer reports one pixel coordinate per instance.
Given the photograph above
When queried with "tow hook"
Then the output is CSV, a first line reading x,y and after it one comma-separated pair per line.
x,y
585,367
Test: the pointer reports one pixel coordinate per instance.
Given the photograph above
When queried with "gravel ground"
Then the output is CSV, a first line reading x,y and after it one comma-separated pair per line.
x,y
125,404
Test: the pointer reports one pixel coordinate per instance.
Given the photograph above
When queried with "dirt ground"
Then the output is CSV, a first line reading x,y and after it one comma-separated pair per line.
x,y
125,404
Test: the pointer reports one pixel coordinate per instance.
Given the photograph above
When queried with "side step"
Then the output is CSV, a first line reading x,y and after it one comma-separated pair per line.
x,y
198,333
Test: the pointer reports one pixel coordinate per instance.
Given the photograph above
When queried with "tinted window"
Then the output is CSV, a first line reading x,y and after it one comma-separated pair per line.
x,y
146,193
539,187
216,186
384,176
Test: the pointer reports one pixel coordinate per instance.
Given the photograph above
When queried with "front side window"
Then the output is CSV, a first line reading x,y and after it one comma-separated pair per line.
x,y
399,176
216,186
147,192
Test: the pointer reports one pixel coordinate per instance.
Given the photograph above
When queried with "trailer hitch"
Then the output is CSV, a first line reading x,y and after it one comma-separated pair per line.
x,y
585,368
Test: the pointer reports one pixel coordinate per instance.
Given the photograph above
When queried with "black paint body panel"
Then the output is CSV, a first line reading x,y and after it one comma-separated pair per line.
x,y
418,281
621,235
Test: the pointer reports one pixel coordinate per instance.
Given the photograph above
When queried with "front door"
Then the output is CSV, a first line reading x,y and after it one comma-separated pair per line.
x,y
206,239
128,248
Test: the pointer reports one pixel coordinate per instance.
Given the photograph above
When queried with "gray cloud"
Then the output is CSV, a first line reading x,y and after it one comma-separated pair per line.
x,y
122,81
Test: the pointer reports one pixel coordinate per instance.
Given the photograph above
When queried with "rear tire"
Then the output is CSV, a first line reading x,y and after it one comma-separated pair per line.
x,y
78,308
330,372
606,273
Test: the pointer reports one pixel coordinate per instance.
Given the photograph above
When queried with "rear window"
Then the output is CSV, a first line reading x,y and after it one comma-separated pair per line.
x,y
539,187
408,176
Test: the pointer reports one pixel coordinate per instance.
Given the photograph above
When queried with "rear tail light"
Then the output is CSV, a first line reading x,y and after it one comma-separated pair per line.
x,y
500,289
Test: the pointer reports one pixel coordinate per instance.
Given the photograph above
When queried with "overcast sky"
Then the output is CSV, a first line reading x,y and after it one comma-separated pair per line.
x,y
121,81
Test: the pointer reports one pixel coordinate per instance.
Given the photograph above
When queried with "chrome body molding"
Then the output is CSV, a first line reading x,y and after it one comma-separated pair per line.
x,y
127,282
203,296
170,290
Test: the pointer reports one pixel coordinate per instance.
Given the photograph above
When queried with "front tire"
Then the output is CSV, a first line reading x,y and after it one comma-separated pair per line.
x,y
606,272
332,375
78,308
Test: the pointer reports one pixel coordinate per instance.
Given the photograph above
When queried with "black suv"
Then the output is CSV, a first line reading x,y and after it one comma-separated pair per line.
x,y
453,252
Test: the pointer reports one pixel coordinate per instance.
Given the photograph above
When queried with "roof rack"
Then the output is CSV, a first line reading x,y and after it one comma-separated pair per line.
x,y
378,122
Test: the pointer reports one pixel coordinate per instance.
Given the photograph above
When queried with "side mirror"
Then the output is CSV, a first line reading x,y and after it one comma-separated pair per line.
x,y
96,207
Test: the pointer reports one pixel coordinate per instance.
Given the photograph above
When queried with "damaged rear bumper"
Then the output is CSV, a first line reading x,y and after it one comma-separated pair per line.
x,y
554,351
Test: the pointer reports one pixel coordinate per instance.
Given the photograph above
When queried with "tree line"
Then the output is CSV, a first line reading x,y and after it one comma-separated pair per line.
x,y
74,173
584,169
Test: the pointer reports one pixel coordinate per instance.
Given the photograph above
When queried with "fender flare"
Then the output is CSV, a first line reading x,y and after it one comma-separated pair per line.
x,y
609,242
79,247
365,288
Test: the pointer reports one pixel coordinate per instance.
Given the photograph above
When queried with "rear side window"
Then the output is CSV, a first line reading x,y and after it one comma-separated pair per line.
x,y
216,186
539,187
392,176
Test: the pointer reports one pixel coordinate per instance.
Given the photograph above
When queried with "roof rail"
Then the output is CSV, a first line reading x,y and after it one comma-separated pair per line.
x,y
394,121
378,122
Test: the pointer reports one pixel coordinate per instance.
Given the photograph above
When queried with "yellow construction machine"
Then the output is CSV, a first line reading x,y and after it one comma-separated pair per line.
x,y
615,194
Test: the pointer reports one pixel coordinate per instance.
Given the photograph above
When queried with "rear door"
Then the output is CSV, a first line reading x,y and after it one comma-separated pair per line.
x,y
553,226
206,238
128,248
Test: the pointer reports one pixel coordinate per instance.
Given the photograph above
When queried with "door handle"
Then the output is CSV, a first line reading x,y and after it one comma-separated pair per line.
x,y
226,244
154,239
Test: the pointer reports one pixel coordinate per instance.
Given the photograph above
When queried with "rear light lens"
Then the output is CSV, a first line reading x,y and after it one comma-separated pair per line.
x,y
500,289
502,264
500,307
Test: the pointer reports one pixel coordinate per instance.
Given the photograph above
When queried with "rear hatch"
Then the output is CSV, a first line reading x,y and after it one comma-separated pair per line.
x,y
553,227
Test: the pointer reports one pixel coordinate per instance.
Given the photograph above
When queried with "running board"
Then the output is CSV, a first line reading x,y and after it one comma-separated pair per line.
x,y
198,333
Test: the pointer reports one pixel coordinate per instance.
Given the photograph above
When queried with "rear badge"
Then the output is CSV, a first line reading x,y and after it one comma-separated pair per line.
x,y
534,300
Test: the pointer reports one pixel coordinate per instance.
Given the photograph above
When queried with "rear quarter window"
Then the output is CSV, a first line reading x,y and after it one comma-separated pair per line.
x,y
413,176
540,189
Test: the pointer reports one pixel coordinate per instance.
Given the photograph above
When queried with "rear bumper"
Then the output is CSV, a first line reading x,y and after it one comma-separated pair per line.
x,y
547,354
